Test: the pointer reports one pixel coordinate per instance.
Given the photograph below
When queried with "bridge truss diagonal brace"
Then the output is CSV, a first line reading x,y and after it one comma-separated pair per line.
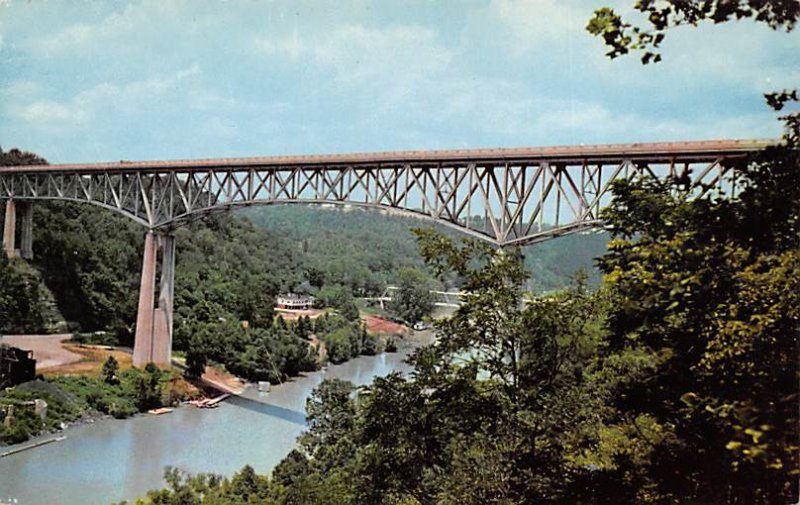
x,y
154,323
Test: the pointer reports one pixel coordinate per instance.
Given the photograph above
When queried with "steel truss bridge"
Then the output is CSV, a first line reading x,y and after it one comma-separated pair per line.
x,y
506,196
452,299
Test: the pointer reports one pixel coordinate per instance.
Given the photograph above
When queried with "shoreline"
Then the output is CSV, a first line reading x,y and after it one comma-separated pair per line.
x,y
30,446
411,342
255,429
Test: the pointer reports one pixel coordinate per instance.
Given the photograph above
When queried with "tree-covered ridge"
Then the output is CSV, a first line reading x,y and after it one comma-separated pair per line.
x,y
360,249
366,250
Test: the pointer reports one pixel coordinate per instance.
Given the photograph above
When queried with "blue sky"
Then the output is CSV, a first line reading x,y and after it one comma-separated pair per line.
x,y
155,79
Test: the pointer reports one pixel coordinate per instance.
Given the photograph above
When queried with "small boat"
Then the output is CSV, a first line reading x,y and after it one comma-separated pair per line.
x,y
161,411
208,403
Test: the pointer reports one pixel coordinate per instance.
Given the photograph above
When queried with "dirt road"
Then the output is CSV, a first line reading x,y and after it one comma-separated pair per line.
x,y
47,349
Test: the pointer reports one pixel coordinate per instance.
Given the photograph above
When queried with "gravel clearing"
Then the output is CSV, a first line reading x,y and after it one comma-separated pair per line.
x,y
47,349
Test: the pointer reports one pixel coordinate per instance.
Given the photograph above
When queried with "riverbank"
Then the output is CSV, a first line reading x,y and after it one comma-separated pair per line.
x,y
32,445
47,406
84,398
113,460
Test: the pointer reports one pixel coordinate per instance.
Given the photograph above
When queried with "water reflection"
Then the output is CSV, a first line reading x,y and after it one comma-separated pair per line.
x,y
293,416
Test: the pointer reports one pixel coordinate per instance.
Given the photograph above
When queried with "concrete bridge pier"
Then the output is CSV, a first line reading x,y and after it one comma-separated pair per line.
x,y
153,340
26,233
10,229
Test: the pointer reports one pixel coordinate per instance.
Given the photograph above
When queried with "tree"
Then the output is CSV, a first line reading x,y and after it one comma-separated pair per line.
x,y
304,327
339,297
413,300
147,388
709,288
622,37
330,415
492,409
21,306
340,345
110,371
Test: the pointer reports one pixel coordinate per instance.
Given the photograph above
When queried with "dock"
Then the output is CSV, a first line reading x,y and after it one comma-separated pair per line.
x,y
209,403
34,445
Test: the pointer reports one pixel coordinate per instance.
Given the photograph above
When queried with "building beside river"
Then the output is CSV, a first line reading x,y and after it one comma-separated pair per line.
x,y
293,301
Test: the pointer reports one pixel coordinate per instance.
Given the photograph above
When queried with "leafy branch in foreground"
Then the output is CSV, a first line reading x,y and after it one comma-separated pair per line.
x,y
622,37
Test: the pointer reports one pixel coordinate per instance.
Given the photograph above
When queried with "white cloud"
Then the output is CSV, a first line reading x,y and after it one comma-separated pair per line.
x,y
106,99
533,21
124,29
357,53
51,114
22,90
292,45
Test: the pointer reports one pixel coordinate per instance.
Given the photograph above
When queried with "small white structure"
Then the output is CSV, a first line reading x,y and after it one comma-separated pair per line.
x,y
263,386
40,408
293,301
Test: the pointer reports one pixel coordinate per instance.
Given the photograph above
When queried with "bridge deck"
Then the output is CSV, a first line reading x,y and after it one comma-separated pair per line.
x,y
690,151
507,196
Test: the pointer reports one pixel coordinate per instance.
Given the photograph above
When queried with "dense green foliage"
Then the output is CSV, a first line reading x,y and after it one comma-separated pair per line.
x,y
345,339
709,289
61,407
119,394
362,250
256,353
339,297
366,250
412,301
21,306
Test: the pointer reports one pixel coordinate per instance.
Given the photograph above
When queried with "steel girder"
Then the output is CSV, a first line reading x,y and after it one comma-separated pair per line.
x,y
513,196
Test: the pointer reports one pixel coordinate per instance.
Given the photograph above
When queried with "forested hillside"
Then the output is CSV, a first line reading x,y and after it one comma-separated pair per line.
x,y
365,249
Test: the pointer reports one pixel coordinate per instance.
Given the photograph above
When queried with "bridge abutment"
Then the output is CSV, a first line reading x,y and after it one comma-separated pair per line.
x,y
153,340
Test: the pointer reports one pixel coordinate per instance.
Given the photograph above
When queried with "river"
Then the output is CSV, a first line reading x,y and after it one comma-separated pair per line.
x,y
113,460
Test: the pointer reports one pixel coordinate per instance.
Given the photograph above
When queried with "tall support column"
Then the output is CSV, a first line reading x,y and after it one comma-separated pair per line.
x,y
143,343
26,233
10,229
162,329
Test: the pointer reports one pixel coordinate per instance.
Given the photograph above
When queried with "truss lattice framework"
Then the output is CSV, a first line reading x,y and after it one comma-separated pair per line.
x,y
507,196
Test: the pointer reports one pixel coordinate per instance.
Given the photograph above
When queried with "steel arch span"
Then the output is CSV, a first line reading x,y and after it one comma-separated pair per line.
x,y
505,196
